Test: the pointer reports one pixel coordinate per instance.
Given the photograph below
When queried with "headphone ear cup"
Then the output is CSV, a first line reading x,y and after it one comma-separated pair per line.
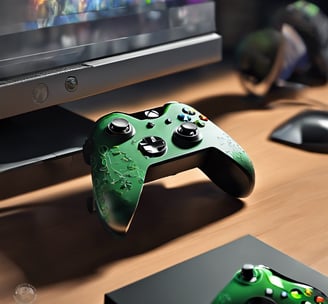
x,y
312,25
258,60
257,53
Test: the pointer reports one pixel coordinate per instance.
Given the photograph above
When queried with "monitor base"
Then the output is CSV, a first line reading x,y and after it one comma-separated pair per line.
x,y
40,149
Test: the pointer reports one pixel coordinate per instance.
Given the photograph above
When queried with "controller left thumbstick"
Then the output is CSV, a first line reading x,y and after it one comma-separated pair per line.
x,y
247,272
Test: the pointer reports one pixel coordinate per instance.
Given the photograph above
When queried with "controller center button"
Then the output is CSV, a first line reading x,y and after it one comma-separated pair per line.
x,y
120,126
152,146
151,114
269,292
187,135
247,272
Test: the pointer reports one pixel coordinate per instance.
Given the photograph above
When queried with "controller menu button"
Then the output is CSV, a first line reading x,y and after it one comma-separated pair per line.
x,y
269,292
168,121
152,146
187,135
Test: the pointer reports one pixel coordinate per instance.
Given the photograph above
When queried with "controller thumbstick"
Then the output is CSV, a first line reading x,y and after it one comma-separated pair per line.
x,y
247,272
188,129
121,128
187,135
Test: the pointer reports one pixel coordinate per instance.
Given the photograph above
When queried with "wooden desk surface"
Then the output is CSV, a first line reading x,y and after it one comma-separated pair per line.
x,y
49,239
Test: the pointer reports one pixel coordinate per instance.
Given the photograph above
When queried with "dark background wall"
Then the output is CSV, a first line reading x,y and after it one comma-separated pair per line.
x,y
237,18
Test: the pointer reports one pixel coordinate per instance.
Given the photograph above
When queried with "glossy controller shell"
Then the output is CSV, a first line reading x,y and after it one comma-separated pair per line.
x,y
122,163
265,287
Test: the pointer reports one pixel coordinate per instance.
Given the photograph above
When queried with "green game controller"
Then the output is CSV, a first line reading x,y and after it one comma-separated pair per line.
x,y
127,150
262,285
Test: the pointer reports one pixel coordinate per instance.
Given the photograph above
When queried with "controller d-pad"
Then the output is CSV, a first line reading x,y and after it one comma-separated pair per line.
x,y
187,135
261,300
152,146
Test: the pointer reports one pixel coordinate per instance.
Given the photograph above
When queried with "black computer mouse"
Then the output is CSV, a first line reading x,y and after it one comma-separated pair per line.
x,y
307,130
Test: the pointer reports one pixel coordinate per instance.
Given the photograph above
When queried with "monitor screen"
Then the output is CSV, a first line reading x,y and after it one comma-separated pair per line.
x,y
55,51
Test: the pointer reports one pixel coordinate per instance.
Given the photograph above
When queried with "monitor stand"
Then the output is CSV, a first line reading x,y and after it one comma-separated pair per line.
x,y
41,148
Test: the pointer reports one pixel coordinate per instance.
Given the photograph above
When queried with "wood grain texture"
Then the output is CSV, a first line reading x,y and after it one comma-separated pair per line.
x,y
49,239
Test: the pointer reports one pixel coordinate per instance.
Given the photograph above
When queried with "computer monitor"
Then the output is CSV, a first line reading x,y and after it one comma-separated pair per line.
x,y
58,51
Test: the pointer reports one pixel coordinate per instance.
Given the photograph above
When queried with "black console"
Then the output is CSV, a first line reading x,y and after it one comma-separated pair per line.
x,y
199,279
40,149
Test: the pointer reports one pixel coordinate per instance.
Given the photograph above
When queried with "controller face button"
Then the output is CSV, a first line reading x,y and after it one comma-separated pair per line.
x,y
188,111
151,114
152,146
308,292
183,117
200,123
203,117
296,294
319,299
120,126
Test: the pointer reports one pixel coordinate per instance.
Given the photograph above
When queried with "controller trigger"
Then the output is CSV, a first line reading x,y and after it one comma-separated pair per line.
x,y
91,205
87,150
